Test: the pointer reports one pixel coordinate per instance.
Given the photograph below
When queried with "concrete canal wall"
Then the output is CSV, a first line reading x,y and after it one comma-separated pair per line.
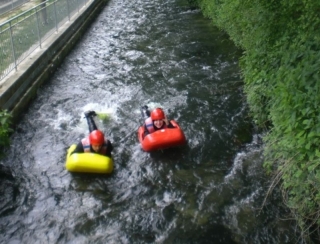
x,y
20,87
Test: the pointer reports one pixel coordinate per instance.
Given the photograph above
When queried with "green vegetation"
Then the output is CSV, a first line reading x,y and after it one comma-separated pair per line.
x,y
5,121
281,65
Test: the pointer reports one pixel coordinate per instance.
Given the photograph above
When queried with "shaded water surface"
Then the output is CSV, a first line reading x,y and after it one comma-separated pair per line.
x,y
159,53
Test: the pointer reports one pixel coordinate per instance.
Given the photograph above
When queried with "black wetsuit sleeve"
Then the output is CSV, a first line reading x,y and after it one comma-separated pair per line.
x,y
78,149
91,124
171,125
146,132
109,148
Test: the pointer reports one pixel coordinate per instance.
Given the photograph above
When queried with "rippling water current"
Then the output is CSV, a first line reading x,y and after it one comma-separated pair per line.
x,y
159,53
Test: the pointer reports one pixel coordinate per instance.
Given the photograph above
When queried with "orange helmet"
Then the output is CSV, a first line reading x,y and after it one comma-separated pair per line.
x,y
96,137
157,114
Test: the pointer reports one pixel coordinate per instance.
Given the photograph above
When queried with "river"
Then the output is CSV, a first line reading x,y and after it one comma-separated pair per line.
x,y
155,53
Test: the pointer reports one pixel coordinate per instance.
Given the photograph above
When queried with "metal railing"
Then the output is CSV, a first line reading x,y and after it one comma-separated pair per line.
x,y
21,35
8,5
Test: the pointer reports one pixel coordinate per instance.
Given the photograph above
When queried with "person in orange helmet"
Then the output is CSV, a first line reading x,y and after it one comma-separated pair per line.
x,y
96,141
157,121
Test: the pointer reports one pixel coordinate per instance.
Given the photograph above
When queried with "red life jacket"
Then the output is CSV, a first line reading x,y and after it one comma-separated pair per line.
x,y
86,146
149,124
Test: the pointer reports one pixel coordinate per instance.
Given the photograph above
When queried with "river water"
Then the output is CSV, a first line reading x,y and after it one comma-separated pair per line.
x,y
158,53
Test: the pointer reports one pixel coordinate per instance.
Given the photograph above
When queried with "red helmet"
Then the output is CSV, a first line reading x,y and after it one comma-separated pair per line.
x,y
96,137
157,114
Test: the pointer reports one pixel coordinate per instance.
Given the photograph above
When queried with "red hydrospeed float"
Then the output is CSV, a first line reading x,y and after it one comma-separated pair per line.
x,y
168,136
161,139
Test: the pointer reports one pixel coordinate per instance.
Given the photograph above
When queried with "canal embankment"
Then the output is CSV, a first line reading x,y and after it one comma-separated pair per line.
x,y
20,86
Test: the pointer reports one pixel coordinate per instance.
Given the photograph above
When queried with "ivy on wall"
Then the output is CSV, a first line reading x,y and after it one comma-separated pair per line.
x,y
5,121
281,69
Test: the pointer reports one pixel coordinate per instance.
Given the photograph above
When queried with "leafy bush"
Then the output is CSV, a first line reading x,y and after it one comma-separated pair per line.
x,y
5,129
281,69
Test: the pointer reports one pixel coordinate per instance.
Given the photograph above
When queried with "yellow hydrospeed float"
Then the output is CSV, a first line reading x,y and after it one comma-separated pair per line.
x,y
88,162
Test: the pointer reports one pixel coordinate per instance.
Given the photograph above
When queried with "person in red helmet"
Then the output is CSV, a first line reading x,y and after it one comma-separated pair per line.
x,y
157,121
96,141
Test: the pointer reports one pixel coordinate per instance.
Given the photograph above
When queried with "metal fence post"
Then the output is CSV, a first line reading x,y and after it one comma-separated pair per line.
x,y
12,45
78,6
37,16
55,15
68,10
